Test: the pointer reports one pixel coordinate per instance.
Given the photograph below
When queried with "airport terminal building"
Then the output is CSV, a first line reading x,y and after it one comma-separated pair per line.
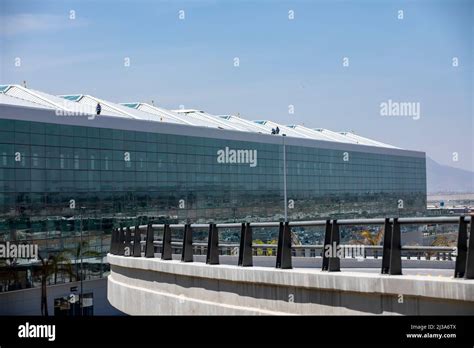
x,y
135,161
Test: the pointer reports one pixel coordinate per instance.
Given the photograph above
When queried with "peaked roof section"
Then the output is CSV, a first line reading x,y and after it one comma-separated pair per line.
x,y
269,125
35,98
313,133
249,126
335,136
109,108
26,97
163,114
7,99
365,141
205,119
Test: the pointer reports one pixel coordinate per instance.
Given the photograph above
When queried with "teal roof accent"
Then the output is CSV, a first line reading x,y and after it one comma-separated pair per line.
x,y
132,105
72,97
3,88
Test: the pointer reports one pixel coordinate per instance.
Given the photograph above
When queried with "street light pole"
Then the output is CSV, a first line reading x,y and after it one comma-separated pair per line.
x,y
284,179
82,269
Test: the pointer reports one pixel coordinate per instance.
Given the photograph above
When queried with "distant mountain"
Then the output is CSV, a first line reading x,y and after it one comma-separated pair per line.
x,y
444,179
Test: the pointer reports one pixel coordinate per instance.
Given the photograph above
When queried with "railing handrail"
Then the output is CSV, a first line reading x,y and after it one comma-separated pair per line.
x,y
315,246
391,247
311,223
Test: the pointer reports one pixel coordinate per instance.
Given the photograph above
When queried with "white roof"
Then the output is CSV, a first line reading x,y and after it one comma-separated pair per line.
x,y
163,114
204,119
313,134
269,125
366,141
249,126
7,99
335,136
21,96
110,108
37,98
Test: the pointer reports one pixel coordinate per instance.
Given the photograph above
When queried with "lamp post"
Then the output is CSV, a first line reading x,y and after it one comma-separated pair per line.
x,y
81,307
284,179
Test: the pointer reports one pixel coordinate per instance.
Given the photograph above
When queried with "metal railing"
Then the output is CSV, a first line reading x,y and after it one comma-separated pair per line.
x,y
128,242
444,253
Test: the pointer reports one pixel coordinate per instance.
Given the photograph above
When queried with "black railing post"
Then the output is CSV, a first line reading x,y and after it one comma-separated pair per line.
x,y
187,253
212,257
327,244
114,241
279,245
462,249
241,243
166,252
387,240
121,244
284,247
245,250
470,253
128,242
334,264
137,247
149,246
396,249
461,258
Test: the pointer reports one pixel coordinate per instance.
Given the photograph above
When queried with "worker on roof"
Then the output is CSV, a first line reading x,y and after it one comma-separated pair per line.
x,y
98,109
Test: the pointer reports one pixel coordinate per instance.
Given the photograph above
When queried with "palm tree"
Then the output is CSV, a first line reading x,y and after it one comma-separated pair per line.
x,y
50,266
369,238
62,259
12,275
45,271
82,249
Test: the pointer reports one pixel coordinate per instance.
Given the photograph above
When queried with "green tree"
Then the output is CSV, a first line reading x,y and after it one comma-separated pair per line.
x,y
259,250
270,250
50,266
9,274
83,248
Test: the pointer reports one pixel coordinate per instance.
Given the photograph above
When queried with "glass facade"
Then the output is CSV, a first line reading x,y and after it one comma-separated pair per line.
x,y
112,172
57,180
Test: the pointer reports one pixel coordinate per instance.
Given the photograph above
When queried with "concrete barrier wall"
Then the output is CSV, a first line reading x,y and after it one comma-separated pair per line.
x,y
141,286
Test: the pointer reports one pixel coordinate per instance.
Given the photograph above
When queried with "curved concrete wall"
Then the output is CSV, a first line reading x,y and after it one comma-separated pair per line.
x,y
141,286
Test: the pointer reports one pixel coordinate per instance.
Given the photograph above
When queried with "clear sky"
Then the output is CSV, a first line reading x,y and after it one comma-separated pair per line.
x,y
282,61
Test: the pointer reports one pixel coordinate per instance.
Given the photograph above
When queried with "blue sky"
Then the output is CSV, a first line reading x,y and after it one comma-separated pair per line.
x,y
283,62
